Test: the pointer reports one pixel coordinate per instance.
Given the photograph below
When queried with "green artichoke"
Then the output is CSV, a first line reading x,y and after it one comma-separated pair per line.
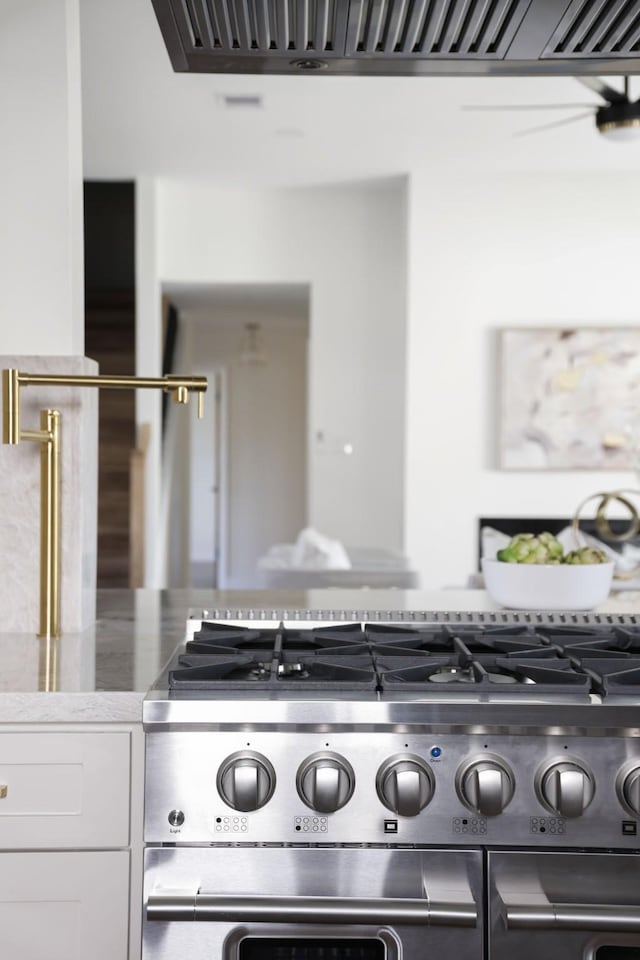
x,y
527,548
586,555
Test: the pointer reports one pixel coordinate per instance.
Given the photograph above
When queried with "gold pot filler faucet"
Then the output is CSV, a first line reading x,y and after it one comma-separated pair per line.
x,y
48,436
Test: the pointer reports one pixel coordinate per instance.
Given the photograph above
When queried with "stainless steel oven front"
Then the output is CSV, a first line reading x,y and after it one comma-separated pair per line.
x,y
387,790
564,906
242,902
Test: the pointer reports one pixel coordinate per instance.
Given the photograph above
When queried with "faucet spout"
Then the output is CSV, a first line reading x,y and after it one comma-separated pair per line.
x,y
12,380
180,388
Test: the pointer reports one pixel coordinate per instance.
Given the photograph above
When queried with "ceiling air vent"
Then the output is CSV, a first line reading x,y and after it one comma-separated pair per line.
x,y
242,101
468,29
597,28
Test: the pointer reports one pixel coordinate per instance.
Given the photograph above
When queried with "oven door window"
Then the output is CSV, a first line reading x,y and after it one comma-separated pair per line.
x,y
617,953
323,948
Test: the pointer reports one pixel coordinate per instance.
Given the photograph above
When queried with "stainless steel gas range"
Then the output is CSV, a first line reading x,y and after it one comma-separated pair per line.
x,y
364,785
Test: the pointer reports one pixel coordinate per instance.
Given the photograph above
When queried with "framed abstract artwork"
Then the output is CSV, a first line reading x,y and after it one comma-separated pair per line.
x,y
569,398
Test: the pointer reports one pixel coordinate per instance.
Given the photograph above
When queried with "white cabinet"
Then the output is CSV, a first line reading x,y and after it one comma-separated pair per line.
x,y
70,842
64,905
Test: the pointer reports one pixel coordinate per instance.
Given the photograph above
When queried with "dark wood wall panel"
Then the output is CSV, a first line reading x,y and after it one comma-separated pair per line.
x,y
110,340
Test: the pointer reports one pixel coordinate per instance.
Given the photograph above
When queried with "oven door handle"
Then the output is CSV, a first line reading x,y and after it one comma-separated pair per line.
x,y
337,910
606,918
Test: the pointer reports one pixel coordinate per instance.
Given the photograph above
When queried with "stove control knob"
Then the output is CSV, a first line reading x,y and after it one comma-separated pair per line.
x,y
246,781
628,787
405,784
485,784
565,787
325,782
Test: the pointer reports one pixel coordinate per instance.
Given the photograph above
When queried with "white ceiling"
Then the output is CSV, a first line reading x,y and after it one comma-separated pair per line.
x,y
278,305
140,118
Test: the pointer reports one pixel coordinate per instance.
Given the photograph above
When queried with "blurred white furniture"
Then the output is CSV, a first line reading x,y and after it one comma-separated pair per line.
x,y
369,567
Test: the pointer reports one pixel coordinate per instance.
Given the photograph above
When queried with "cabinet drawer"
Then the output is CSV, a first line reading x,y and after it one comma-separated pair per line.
x,y
64,790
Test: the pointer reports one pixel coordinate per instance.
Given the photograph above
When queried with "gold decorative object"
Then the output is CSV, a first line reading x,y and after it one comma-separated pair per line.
x,y
603,527
48,436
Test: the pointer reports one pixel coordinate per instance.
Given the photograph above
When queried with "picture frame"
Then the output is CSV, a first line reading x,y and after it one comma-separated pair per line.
x,y
569,398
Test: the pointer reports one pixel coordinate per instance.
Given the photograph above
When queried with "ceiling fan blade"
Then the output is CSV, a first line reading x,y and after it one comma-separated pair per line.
x,y
603,89
550,126
526,106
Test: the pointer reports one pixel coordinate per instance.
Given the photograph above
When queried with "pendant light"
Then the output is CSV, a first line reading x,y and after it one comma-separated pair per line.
x,y
252,352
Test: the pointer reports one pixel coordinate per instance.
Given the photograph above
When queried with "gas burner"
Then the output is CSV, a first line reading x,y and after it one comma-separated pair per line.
x,y
507,678
448,674
283,671
317,674
554,677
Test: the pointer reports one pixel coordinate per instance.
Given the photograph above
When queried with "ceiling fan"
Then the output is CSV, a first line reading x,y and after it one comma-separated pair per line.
x,y
618,117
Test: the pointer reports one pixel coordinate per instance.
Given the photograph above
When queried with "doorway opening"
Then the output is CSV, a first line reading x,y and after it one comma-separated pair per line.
x,y
244,488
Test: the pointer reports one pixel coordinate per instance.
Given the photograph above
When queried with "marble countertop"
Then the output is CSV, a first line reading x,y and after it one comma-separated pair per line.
x,y
103,673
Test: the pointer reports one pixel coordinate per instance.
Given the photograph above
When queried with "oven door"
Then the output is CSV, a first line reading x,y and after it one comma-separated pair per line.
x,y
299,903
564,906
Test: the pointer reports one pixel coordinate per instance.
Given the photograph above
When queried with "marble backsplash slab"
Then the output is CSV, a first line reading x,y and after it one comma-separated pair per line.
x,y
20,499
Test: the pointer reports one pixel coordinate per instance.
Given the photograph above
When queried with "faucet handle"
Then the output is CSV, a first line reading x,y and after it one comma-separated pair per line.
x,y
180,387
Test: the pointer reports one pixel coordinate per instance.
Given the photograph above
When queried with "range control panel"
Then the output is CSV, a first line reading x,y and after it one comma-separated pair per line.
x,y
392,789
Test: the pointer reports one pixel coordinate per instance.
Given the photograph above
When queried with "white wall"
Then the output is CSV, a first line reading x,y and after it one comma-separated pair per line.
x,y
42,304
265,418
41,240
149,364
349,245
490,252
484,252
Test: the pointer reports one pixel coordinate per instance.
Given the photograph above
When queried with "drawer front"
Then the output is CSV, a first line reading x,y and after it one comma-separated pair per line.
x,y
64,790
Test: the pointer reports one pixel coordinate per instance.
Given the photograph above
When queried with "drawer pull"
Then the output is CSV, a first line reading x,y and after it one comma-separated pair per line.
x,y
4,789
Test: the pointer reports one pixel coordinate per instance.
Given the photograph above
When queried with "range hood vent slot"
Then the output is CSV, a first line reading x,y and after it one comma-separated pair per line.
x,y
402,37
433,28
259,27
597,28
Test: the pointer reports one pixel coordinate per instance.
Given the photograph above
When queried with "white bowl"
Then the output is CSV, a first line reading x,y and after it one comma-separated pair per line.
x,y
547,586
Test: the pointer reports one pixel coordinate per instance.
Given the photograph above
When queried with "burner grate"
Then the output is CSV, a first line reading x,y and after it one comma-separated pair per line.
x,y
282,671
552,657
347,639
495,675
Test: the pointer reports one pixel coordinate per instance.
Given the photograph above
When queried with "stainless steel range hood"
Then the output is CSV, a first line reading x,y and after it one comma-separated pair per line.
x,y
402,37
